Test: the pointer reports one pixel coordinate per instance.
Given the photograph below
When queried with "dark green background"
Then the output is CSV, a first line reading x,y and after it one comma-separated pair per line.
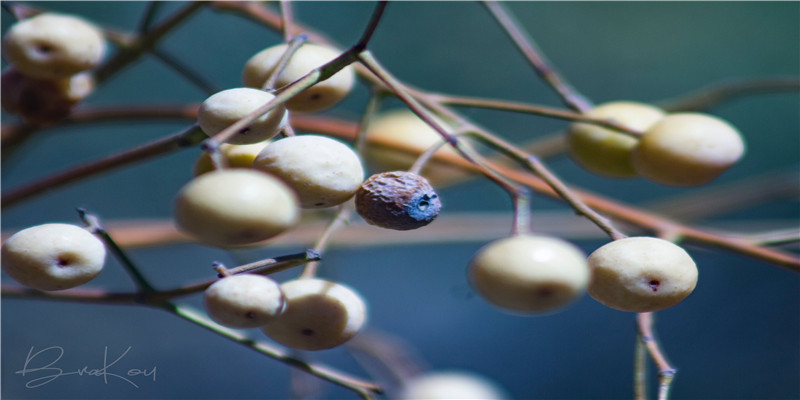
x,y
737,336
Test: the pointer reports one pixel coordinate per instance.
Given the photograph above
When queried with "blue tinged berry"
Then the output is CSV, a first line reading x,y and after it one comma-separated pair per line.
x,y
397,200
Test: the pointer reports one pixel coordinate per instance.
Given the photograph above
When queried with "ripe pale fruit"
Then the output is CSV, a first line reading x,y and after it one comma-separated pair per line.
x,y
319,315
687,149
607,152
323,172
232,207
308,57
53,256
404,130
53,46
529,273
641,274
448,385
224,108
234,156
243,301
397,200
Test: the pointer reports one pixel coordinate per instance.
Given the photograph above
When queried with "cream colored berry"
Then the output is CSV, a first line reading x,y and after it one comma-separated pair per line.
x,y
319,315
450,385
323,171
243,301
233,155
396,138
232,207
687,149
224,108
307,58
641,274
53,46
529,273
53,256
607,152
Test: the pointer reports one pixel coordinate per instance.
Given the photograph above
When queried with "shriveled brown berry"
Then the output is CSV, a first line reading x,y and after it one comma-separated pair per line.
x,y
397,200
42,101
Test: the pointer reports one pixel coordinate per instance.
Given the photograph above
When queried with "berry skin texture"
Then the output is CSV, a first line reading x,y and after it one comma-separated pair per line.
x,y
641,274
403,129
233,207
243,301
53,256
53,46
447,385
687,149
234,156
323,172
397,200
319,315
309,56
222,109
529,274
607,152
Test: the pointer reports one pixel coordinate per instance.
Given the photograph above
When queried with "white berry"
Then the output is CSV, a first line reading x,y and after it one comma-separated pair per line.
x,y
243,301
449,385
687,149
233,207
308,57
641,274
319,315
323,171
224,108
233,155
53,46
53,256
607,152
529,273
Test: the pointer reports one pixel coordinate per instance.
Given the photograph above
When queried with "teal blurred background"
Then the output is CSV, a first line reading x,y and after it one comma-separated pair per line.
x,y
736,337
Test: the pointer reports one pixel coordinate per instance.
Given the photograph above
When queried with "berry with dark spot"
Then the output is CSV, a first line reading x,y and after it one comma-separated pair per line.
x,y
397,200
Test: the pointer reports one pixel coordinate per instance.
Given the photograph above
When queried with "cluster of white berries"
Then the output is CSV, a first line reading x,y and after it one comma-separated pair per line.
x,y
50,57
681,149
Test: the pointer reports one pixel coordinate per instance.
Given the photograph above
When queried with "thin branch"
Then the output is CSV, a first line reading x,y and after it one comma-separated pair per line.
x,y
148,16
533,54
530,109
94,225
363,388
189,137
666,373
185,71
713,95
339,220
287,19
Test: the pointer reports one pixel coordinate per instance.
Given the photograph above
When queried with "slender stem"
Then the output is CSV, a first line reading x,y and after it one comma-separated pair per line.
x,y
717,93
277,264
363,388
375,99
640,370
425,157
340,219
283,61
287,19
527,46
666,373
149,16
531,109
145,42
94,224
185,71
188,137
522,212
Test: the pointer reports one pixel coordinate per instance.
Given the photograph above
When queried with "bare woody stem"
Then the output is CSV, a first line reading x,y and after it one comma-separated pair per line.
x,y
340,219
527,46
186,138
666,373
362,387
94,224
